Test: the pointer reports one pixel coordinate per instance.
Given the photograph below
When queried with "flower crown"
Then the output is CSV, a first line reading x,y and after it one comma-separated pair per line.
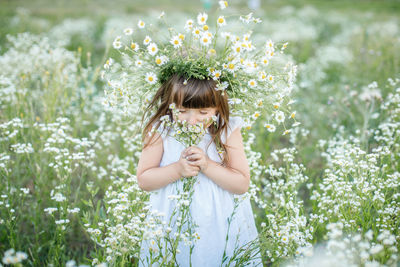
x,y
258,78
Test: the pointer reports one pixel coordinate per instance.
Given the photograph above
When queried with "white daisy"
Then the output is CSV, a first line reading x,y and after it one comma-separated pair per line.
x,y
147,40
223,4
237,48
210,70
216,75
270,127
262,76
134,46
141,24
221,21
117,42
269,45
202,18
256,115
139,63
176,42
270,78
189,25
279,116
252,83
152,49
151,78
231,67
108,63
161,60
128,31
196,33
205,39
265,61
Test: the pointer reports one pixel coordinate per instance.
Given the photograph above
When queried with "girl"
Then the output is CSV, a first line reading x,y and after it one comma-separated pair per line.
x,y
223,224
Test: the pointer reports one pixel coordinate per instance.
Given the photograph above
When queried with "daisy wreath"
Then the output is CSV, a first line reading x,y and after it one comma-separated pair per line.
x,y
257,77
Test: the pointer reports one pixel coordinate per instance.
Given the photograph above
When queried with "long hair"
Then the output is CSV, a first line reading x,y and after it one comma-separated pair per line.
x,y
191,93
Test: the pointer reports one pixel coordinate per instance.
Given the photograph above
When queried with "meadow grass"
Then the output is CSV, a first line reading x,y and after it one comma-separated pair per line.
x,y
82,154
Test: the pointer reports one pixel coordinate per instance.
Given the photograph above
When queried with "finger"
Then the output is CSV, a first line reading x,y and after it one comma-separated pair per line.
x,y
192,164
194,157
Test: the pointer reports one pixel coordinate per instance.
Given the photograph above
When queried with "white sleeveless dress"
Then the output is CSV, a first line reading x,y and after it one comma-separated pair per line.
x,y
210,209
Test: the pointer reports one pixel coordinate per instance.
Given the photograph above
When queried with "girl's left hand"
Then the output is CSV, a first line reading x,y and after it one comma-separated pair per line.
x,y
197,157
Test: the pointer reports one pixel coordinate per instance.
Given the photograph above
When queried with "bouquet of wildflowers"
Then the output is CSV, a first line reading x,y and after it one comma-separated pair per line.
x,y
187,134
257,78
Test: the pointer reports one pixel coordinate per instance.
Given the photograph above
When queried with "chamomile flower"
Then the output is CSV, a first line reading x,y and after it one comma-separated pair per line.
x,y
212,52
117,42
293,115
138,63
151,78
270,127
276,105
248,45
147,40
216,74
231,67
152,49
141,24
237,48
205,39
279,116
285,132
134,47
269,54
223,4
161,60
262,76
269,45
270,78
196,33
108,63
256,115
181,36
161,15
202,18
128,31
189,25
176,42
252,83
285,239
210,70
221,21
265,61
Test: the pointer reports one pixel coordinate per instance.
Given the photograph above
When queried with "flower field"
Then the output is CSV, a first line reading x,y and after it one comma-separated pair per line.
x,y
326,190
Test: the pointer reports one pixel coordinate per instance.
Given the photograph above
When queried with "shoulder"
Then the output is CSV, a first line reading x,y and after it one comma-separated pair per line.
x,y
234,123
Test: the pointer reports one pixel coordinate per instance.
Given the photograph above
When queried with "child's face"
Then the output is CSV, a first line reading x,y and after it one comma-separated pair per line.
x,y
196,115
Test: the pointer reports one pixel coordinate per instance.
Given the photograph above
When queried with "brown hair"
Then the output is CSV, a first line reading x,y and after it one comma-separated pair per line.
x,y
191,93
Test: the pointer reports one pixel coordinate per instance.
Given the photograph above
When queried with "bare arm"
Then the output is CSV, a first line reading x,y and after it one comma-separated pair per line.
x,y
151,176
235,177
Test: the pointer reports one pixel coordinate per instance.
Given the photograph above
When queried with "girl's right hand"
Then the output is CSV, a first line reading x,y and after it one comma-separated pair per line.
x,y
185,169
